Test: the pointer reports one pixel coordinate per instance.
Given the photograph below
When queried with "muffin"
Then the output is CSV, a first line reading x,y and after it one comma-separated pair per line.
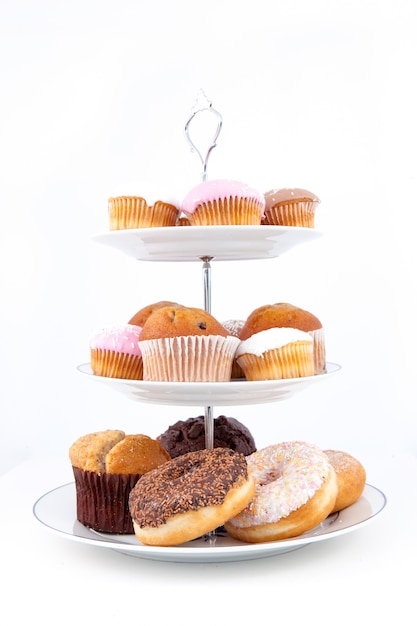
x,y
223,202
276,353
115,352
139,205
140,317
290,207
189,435
234,327
186,344
286,315
106,466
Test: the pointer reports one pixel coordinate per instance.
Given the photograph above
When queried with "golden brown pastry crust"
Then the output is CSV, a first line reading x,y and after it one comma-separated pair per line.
x,y
351,478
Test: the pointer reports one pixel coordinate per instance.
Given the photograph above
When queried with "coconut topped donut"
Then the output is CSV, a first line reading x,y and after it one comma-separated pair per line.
x,y
189,496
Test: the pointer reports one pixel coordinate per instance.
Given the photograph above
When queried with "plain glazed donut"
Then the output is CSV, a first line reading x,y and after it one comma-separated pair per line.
x,y
351,478
189,496
296,488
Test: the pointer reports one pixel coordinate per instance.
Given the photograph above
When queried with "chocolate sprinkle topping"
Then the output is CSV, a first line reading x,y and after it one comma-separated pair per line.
x,y
189,482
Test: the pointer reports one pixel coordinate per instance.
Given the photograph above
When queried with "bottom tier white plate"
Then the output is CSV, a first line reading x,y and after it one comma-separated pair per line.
x,y
56,510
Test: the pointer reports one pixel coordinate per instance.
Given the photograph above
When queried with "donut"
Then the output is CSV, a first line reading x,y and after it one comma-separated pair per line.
x,y
296,488
189,496
351,478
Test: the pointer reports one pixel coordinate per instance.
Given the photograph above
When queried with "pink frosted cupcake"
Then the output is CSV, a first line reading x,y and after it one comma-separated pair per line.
x,y
223,202
115,352
290,207
140,205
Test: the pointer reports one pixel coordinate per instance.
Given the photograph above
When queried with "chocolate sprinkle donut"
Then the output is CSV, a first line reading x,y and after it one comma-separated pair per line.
x,y
187,483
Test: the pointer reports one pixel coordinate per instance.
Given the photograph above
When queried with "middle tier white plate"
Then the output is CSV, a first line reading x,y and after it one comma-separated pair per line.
x,y
222,243
233,393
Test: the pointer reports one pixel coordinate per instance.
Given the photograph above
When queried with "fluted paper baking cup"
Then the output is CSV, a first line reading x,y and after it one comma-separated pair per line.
x,y
115,364
319,349
133,212
227,211
194,358
102,500
300,213
294,360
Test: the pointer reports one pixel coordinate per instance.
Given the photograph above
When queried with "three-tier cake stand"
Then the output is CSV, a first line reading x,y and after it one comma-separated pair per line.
x,y
205,245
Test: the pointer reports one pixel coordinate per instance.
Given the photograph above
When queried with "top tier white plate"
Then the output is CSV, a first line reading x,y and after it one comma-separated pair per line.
x,y
221,243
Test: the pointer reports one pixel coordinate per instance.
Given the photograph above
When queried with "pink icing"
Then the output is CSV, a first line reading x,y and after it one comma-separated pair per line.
x,y
220,188
123,338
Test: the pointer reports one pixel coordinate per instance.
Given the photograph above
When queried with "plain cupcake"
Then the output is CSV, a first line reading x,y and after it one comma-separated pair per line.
x,y
142,205
186,344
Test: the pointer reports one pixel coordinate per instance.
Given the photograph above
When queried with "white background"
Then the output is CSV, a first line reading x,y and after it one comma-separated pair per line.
x,y
319,95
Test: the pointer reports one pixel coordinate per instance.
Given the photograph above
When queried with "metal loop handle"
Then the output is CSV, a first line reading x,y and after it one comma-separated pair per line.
x,y
202,104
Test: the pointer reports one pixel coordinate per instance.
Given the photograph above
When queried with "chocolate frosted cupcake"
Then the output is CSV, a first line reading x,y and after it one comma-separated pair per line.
x,y
106,466
290,207
189,435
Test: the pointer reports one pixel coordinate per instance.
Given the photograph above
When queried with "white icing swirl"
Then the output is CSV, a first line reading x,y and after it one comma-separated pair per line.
x,y
270,340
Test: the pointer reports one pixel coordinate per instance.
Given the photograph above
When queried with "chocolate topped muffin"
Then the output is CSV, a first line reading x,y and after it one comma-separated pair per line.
x,y
189,435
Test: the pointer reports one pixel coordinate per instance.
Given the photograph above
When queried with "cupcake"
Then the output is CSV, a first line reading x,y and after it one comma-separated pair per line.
x,y
276,353
138,205
106,466
115,352
140,317
223,202
290,207
183,220
189,435
185,344
234,327
285,315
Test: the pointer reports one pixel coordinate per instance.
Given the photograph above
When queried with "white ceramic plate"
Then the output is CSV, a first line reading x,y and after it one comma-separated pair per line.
x,y
191,243
233,393
56,510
